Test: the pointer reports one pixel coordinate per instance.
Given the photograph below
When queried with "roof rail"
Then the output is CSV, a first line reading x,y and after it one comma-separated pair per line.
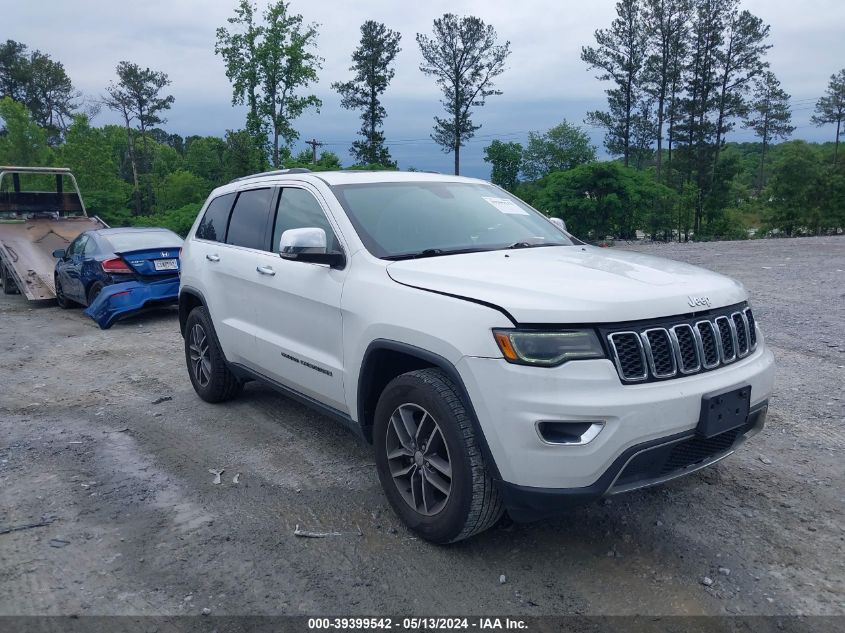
x,y
275,172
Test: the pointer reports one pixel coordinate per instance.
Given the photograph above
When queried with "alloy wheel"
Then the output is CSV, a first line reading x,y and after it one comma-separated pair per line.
x,y
200,355
418,459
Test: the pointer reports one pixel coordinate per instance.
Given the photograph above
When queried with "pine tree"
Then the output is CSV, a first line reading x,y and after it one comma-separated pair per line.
x,y
463,56
666,22
831,108
620,57
770,117
373,72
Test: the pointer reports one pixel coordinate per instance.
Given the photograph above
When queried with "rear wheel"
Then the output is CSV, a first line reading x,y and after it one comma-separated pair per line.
x,y
428,460
210,375
95,289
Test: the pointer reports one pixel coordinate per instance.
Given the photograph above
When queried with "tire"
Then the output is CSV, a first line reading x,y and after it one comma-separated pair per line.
x,y
212,380
95,289
473,503
9,285
61,300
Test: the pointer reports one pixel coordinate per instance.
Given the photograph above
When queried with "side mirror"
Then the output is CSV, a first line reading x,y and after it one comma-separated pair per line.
x,y
59,253
309,245
558,223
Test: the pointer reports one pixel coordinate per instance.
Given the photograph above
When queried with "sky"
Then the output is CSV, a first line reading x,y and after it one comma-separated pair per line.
x,y
545,81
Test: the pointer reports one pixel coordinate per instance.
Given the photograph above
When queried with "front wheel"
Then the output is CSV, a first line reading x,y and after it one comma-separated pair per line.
x,y
61,298
210,375
428,460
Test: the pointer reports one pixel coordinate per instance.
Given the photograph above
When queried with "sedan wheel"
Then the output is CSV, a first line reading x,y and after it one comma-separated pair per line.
x,y
61,299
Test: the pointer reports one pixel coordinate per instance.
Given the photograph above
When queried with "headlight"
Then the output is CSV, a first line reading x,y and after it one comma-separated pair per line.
x,y
547,349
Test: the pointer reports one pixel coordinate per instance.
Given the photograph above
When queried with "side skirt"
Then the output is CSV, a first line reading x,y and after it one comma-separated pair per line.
x,y
245,373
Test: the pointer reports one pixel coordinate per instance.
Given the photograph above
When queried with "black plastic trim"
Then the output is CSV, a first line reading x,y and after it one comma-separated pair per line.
x,y
441,363
527,503
243,372
188,290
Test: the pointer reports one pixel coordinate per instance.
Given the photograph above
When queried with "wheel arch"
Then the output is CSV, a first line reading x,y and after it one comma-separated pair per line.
x,y
384,360
189,298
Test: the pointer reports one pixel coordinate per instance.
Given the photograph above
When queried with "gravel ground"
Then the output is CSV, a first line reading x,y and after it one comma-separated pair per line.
x,y
102,434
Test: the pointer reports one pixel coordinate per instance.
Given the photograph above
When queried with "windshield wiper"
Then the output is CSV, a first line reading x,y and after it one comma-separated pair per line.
x,y
524,244
432,252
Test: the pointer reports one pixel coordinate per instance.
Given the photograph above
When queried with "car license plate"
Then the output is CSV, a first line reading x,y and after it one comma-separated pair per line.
x,y
166,264
724,410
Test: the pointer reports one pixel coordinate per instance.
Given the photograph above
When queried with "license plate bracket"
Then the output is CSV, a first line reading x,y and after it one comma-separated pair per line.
x,y
724,410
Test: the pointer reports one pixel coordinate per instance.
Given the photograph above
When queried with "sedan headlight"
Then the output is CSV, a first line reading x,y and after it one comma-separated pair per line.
x,y
547,348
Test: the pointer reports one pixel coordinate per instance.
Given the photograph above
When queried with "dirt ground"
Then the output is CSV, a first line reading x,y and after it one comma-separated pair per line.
x,y
102,435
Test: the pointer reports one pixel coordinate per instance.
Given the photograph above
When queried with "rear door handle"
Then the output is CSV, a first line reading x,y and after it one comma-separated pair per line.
x,y
213,258
265,270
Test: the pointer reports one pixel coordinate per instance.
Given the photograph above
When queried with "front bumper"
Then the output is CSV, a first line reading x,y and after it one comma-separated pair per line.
x,y
509,400
120,300
640,466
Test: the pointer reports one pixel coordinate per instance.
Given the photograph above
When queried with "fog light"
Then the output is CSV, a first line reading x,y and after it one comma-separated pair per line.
x,y
571,433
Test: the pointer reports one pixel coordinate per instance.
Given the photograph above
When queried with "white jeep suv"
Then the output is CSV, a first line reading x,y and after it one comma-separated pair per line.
x,y
495,362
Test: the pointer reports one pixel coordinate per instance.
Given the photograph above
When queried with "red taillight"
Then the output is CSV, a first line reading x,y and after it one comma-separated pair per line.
x,y
116,265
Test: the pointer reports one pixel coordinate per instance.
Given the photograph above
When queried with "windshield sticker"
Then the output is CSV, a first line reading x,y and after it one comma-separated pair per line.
x,y
505,206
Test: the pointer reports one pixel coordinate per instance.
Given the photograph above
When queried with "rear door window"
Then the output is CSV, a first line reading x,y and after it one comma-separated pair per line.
x,y
213,224
248,224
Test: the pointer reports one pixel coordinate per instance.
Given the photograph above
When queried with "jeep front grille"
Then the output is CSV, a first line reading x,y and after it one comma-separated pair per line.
x,y
675,347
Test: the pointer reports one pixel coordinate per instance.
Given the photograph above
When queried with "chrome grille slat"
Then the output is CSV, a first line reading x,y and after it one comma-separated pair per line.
x,y
727,339
741,328
686,348
752,328
629,370
682,348
659,352
710,348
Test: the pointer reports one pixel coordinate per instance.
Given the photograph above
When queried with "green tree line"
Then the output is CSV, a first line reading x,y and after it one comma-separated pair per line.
x,y
681,75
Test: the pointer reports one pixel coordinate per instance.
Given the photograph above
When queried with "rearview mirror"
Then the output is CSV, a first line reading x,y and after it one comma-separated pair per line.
x,y
308,245
558,223
59,253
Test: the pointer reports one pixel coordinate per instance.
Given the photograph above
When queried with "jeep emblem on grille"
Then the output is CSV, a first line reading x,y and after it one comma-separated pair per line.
x,y
694,302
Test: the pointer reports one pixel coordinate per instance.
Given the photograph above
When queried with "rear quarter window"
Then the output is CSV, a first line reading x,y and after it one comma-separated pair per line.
x,y
216,217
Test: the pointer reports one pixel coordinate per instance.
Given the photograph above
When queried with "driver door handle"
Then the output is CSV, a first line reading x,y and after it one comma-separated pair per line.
x,y
265,270
213,258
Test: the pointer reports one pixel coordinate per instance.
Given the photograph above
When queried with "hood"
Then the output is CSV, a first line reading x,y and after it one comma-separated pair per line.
x,y
572,284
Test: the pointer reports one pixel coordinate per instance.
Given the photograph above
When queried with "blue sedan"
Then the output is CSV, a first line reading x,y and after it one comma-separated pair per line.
x,y
115,272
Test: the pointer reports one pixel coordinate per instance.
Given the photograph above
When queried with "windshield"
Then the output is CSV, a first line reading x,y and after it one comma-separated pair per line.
x,y
396,220
138,240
